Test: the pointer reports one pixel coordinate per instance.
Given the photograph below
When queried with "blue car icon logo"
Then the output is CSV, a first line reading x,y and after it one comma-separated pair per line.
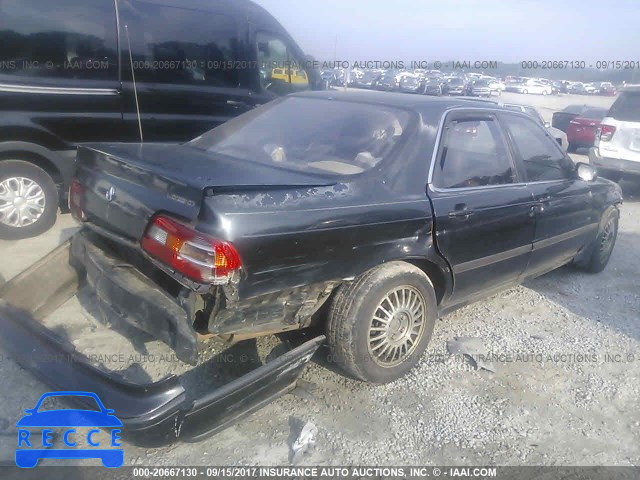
x,y
29,451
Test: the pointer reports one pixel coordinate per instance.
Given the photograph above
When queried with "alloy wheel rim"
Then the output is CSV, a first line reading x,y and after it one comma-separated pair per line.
x,y
22,202
606,242
397,326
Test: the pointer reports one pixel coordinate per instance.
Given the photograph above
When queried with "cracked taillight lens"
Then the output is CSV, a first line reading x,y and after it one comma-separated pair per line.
x,y
193,254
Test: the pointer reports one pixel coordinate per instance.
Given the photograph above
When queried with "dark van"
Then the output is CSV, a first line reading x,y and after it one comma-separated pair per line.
x,y
75,71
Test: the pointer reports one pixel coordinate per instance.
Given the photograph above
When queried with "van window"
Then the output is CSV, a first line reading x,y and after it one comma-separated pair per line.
x,y
179,45
69,39
626,108
281,72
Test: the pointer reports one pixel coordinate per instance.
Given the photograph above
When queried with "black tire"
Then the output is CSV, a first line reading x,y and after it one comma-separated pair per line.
x,y
21,169
604,242
351,320
572,148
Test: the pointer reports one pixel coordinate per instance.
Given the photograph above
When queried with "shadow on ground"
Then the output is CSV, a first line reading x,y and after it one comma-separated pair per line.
x,y
614,302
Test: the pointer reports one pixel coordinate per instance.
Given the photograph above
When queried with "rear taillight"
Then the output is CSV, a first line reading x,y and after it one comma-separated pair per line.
x,y
605,133
76,194
195,255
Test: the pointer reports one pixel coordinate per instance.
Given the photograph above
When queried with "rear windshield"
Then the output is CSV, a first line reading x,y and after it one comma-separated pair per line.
x,y
574,109
306,134
626,107
594,113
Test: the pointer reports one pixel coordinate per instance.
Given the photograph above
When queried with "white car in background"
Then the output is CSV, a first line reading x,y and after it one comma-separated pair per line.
x,y
617,147
533,86
496,86
590,88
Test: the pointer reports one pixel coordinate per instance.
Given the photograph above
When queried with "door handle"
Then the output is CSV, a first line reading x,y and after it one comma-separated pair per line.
x,y
536,209
461,212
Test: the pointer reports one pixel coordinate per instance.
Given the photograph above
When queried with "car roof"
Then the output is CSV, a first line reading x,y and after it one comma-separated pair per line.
x,y
399,100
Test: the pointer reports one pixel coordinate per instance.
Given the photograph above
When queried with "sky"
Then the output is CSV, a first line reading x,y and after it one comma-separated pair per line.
x,y
504,30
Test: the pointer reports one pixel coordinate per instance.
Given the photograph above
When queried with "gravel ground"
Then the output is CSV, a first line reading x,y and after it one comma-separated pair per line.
x,y
564,392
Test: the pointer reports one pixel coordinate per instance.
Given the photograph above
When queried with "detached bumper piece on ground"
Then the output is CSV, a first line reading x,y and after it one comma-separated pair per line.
x,y
152,413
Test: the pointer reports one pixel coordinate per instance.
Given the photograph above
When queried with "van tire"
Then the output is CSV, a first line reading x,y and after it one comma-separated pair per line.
x,y
39,179
351,323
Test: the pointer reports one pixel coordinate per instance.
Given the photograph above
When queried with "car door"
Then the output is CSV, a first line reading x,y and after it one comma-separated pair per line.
x,y
484,223
190,69
566,216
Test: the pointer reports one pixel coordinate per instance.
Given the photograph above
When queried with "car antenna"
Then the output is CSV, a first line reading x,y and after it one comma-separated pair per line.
x,y
135,87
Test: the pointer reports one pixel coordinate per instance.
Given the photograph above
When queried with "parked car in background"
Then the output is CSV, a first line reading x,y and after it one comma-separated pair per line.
x,y
367,80
410,84
432,86
496,86
535,87
455,86
501,202
558,135
577,88
617,148
387,82
591,89
581,132
478,88
608,89
560,120
68,83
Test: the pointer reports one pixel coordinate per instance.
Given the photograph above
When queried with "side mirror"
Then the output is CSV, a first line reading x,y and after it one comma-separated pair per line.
x,y
586,172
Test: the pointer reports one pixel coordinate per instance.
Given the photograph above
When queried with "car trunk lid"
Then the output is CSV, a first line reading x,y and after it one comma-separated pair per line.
x,y
121,186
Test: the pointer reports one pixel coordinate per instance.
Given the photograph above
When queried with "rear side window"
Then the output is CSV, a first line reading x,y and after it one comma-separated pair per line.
x,y
69,39
179,46
474,154
626,107
542,158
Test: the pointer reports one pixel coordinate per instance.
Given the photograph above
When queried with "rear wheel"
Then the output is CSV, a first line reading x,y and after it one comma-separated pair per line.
x,y
572,147
28,200
380,324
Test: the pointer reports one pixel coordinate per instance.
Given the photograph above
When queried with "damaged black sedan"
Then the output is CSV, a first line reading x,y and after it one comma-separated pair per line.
x,y
364,214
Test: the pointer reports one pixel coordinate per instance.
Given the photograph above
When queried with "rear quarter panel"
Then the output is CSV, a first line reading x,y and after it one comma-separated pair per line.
x,y
291,238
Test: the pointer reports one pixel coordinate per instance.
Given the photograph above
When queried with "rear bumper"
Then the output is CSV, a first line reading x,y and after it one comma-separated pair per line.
x,y
581,138
123,293
155,413
152,413
613,164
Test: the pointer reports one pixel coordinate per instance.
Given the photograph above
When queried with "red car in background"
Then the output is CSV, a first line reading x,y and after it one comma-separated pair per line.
x,y
581,132
608,89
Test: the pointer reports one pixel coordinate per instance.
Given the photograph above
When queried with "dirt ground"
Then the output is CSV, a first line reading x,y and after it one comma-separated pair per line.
x,y
565,389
